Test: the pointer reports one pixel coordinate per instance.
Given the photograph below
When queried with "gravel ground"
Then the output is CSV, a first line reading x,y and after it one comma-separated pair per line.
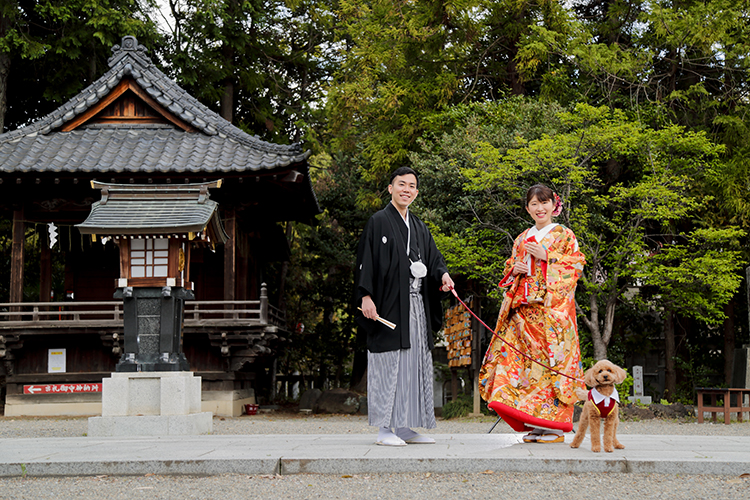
x,y
387,486
519,486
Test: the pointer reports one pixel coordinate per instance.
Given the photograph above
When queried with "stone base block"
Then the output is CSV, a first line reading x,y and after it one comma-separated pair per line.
x,y
151,425
151,393
52,409
644,400
46,405
227,403
220,403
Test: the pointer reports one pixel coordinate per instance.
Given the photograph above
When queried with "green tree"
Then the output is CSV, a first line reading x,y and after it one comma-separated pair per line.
x,y
51,49
474,227
402,62
260,63
621,182
695,275
394,71
320,281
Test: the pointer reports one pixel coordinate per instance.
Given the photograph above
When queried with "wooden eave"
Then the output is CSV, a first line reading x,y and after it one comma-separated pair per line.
x,y
125,85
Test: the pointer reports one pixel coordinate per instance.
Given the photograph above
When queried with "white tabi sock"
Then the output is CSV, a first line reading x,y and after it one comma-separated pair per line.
x,y
384,432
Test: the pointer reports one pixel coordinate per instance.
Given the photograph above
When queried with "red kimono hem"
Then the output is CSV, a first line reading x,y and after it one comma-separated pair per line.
x,y
521,422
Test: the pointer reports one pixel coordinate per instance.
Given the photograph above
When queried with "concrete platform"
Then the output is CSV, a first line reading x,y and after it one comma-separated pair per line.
x,y
357,454
219,403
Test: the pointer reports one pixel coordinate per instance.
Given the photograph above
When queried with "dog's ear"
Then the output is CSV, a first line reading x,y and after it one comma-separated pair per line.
x,y
620,374
588,377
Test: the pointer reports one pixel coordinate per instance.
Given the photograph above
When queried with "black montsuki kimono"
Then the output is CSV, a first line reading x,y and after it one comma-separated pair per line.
x,y
382,272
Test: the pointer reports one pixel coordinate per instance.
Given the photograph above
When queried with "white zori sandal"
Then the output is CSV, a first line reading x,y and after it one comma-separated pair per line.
x,y
386,437
411,437
533,436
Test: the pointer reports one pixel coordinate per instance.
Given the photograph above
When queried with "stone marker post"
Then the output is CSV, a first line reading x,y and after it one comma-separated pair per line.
x,y
638,396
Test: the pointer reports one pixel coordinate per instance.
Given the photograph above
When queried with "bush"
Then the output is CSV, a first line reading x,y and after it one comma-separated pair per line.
x,y
459,407
626,387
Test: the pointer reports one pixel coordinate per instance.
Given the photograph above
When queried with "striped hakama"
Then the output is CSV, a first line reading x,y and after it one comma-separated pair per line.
x,y
399,383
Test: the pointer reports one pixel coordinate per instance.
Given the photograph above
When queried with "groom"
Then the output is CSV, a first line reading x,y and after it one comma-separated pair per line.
x,y
399,276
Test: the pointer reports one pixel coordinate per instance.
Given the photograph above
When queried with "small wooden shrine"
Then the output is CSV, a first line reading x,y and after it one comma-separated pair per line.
x,y
154,227
135,133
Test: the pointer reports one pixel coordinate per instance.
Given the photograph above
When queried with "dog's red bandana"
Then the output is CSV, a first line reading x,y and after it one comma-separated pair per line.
x,y
604,404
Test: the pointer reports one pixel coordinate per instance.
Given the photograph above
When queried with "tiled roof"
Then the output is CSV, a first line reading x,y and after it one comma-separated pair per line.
x,y
147,216
143,149
218,146
137,209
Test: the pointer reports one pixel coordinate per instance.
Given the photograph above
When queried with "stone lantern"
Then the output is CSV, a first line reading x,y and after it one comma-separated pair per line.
x,y
155,227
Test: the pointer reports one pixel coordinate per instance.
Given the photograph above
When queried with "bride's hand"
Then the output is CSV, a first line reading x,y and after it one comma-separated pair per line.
x,y
537,250
520,268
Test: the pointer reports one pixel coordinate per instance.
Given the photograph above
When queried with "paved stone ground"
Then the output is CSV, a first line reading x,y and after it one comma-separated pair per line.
x,y
490,484
295,423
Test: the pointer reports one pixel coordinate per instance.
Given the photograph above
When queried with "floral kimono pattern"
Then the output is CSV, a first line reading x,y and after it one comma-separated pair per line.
x,y
538,318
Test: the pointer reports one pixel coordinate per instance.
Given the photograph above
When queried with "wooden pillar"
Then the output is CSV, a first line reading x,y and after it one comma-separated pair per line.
x,y
476,353
252,273
188,248
230,254
454,383
241,264
45,268
16,259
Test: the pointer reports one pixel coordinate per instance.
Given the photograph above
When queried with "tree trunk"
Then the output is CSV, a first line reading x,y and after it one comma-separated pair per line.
x,y
600,334
670,373
227,101
592,323
4,72
5,23
285,269
514,79
729,337
92,64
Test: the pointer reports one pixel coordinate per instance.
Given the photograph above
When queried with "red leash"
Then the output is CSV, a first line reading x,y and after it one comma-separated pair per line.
x,y
494,334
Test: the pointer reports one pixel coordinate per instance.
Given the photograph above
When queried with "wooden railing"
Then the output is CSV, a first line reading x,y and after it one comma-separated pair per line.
x,y
110,314
60,314
208,312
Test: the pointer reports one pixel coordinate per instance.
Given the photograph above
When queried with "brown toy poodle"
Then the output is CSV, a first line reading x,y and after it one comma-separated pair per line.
x,y
602,403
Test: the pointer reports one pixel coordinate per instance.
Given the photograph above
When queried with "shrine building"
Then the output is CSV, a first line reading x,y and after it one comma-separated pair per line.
x,y
135,133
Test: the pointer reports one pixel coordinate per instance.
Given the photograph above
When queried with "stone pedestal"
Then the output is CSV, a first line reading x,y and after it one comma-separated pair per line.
x,y
153,319
151,404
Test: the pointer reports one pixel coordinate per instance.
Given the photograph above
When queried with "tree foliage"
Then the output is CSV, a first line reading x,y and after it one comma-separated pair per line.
x,y
261,63
636,112
625,187
51,49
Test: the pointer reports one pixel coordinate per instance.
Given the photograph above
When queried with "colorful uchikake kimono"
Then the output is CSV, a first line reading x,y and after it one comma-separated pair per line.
x,y
537,317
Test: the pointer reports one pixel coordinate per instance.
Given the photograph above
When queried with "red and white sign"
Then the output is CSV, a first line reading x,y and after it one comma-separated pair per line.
x,y
61,388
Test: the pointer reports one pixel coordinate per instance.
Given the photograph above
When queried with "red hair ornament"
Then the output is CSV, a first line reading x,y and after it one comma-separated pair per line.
x,y
558,206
